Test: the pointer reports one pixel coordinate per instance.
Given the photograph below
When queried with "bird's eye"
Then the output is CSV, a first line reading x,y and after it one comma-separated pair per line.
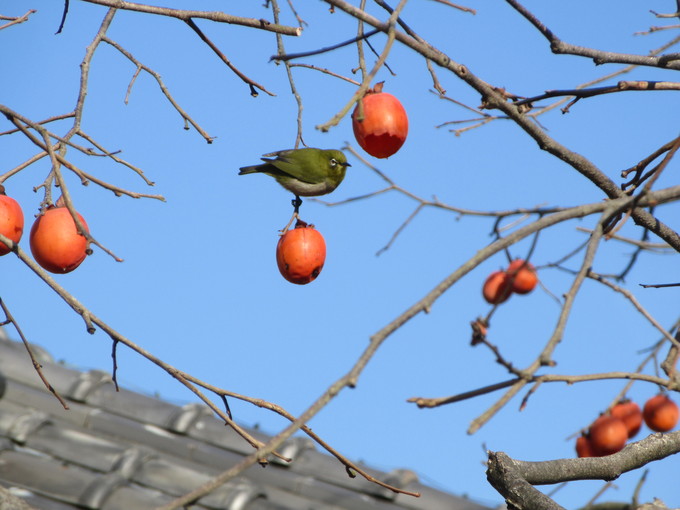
x,y
333,162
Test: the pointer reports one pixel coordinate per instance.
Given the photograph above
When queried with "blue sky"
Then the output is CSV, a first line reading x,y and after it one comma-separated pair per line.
x,y
200,289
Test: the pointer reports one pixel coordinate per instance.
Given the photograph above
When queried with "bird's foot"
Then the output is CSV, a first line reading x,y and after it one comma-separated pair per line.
x,y
297,202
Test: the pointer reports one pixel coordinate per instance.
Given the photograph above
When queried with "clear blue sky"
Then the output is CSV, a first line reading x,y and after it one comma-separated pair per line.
x,y
199,286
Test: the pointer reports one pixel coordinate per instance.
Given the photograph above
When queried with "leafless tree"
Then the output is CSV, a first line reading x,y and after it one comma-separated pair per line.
x,y
636,199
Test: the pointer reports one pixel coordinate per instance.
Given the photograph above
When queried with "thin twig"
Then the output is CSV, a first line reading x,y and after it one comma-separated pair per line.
x,y
17,20
51,119
558,47
284,57
456,6
633,300
430,402
253,85
545,356
291,81
326,71
367,80
36,364
161,84
641,244
185,15
621,86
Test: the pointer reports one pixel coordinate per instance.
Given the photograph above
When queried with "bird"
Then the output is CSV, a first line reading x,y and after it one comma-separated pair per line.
x,y
307,172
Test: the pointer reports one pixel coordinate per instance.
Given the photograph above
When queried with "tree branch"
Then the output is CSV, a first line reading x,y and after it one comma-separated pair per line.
x,y
16,20
186,15
671,61
515,479
494,99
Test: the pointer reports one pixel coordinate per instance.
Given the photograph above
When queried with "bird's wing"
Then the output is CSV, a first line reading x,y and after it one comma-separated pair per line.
x,y
307,170
275,154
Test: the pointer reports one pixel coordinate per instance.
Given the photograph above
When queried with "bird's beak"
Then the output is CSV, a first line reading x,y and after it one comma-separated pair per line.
x,y
346,164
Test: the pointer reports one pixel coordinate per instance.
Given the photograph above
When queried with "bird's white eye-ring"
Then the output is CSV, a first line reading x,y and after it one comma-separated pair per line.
x,y
334,162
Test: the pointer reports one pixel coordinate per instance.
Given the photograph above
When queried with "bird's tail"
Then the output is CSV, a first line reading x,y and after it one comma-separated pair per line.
x,y
249,169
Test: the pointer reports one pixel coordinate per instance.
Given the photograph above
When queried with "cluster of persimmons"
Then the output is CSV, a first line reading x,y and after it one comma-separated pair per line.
x,y
519,278
55,242
380,126
609,433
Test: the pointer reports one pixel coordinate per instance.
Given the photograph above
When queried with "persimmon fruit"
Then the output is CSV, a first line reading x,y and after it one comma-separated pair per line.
x,y
523,276
380,123
583,447
631,415
497,288
301,254
661,413
11,220
608,434
55,242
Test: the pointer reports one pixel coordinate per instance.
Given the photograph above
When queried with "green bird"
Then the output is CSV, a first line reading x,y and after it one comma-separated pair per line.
x,y
304,172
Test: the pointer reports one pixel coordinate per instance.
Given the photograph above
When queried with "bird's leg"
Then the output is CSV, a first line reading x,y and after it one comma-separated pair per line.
x,y
297,202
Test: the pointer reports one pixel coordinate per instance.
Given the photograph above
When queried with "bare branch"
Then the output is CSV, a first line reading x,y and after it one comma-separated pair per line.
x,y
186,15
292,56
326,71
252,84
22,122
515,479
391,32
640,244
431,402
36,365
16,20
23,165
293,90
671,61
161,84
545,357
493,99
634,456
456,6
621,86
51,119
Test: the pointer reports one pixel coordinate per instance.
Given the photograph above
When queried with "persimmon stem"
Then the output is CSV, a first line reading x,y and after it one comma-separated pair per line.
x,y
297,202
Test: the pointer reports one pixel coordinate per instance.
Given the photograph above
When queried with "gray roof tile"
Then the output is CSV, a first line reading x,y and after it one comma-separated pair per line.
x,y
127,451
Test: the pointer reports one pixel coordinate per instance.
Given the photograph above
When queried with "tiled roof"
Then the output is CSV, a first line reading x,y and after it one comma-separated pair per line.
x,y
125,450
